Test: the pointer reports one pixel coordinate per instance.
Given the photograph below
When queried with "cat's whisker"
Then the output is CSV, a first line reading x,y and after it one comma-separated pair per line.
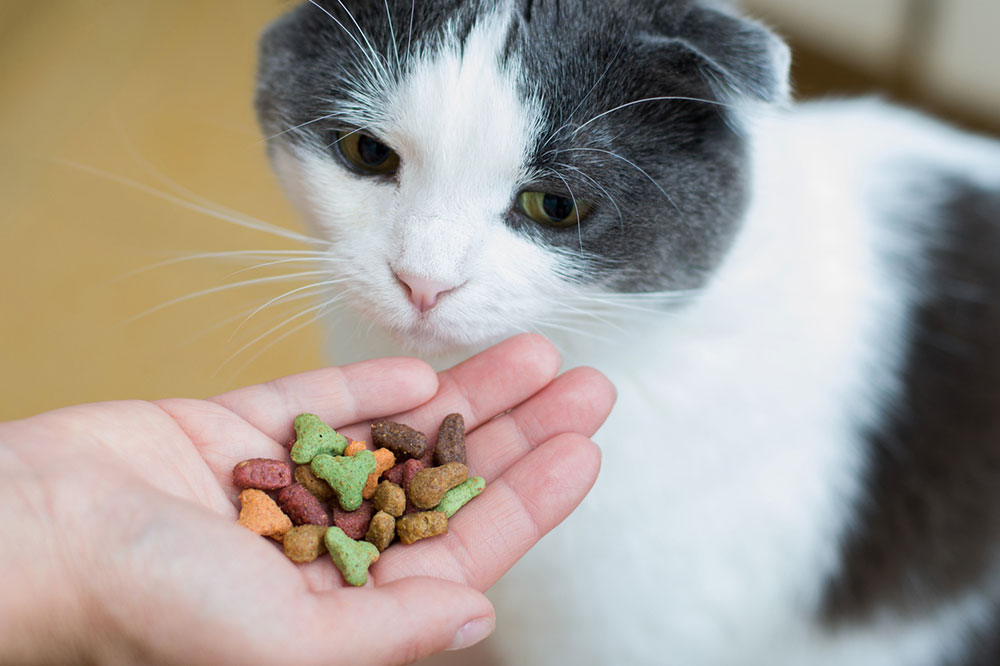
x,y
370,53
621,219
585,97
283,297
633,165
278,327
409,36
301,125
576,208
239,315
237,219
392,32
225,287
233,254
298,260
670,98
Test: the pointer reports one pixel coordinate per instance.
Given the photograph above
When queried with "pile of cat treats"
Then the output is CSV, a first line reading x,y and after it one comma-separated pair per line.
x,y
405,488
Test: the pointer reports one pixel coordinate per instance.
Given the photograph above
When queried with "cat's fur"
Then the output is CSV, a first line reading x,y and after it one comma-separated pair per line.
x,y
804,463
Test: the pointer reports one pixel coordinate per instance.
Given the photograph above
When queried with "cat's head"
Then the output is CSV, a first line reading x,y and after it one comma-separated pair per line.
x,y
481,165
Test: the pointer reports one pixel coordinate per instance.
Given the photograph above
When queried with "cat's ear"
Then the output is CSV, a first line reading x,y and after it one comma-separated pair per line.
x,y
736,57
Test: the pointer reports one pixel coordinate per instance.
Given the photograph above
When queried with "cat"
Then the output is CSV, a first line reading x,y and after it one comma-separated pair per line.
x,y
798,303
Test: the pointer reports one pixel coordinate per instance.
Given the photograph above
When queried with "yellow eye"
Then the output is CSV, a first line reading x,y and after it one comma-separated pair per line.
x,y
551,209
367,155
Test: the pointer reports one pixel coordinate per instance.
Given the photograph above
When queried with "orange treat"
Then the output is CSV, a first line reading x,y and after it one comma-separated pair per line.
x,y
260,514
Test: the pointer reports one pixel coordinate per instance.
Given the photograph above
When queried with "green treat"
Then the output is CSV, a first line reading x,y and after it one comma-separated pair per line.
x,y
346,475
313,437
460,495
352,557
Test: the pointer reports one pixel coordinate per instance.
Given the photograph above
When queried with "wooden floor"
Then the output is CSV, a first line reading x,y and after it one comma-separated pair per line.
x,y
155,92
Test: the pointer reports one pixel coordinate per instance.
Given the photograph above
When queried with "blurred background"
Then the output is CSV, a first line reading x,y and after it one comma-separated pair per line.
x,y
111,108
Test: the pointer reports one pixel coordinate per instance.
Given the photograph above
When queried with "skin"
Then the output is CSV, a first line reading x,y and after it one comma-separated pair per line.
x,y
121,545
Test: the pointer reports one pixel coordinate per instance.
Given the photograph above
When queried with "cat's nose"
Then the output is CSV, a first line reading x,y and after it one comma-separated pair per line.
x,y
424,293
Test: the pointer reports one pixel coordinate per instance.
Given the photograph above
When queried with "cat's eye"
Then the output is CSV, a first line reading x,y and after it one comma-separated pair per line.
x,y
552,210
366,154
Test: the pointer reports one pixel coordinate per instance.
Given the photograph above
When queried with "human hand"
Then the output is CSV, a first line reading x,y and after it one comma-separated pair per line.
x,y
120,543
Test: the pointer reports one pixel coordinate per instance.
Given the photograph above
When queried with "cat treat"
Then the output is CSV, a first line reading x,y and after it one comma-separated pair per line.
x,y
402,440
347,475
260,514
301,506
262,474
428,487
313,437
460,495
450,445
304,543
354,502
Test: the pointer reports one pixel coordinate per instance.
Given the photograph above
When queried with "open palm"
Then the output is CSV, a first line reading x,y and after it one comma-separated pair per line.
x,y
135,554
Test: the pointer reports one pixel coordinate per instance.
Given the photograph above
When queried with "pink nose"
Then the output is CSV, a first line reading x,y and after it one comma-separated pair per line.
x,y
424,293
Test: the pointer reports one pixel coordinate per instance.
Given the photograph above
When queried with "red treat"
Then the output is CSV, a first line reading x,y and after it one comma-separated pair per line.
x,y
262,474
410,469
394,474
428,458
354,523
302,506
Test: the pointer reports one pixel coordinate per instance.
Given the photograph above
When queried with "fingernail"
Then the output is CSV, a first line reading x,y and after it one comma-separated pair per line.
x,y
472,632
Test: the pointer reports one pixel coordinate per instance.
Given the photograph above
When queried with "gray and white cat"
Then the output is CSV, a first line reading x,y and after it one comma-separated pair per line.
x,y
799,305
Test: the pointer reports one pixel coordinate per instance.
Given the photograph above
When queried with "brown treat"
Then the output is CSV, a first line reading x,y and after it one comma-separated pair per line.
x,y
262,473
428,458
389,498
304,543
260,514
319,488
354,523
394,474
401,439
381,531
384,459
450,445
302,506
354,447
429,485
417,526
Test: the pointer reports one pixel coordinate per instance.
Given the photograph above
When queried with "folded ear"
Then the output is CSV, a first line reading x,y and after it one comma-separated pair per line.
x,y
735,56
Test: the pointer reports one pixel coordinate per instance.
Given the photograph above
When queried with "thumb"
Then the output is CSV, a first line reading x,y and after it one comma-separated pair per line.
x,y
405,620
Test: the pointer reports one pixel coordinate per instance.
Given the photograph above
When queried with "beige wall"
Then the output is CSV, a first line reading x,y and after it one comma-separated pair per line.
x,y
122,86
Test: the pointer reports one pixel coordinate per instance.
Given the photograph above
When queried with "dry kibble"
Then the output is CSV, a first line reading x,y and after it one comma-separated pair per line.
x,y
319,488
304,543
395,474
260,514
381,531
390,498
417,526
428,487
302,506
354,502
352,557
347,475
384,460
354,447
402,440
262,473
354,523
450,446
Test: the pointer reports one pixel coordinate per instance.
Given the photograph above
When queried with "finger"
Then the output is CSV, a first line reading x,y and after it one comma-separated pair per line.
x,y
348,394
488,384
401,621
497,528
578,401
